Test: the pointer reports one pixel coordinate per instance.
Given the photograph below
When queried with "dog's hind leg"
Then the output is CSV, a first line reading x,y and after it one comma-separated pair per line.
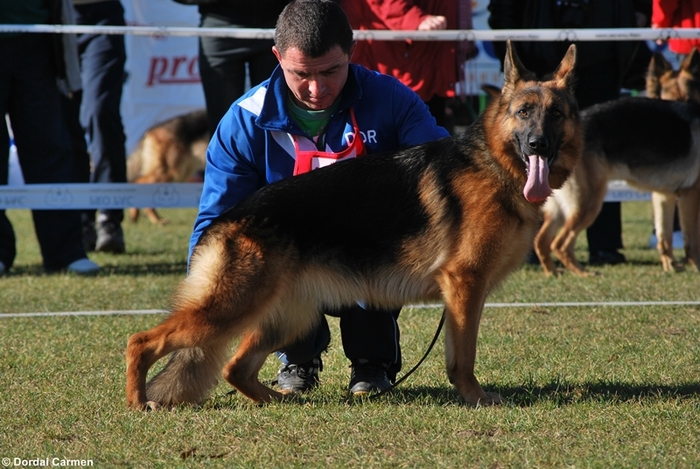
x,y
584,194
188,375
688,206
465,295
150,212
282,321
134,214
242,370
553,220
564,246
664,205
153,216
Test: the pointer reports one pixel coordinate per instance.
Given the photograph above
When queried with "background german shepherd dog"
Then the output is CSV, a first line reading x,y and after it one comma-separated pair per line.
x,y
171,151
447,220
663,82
652,144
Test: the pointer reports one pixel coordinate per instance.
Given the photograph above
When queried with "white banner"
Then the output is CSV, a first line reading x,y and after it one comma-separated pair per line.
x,y
163,73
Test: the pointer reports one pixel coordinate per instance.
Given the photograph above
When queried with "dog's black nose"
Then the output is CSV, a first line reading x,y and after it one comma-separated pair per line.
x,y
538,143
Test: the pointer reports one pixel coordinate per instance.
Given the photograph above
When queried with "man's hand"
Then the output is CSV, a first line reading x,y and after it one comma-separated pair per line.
x,y
433,22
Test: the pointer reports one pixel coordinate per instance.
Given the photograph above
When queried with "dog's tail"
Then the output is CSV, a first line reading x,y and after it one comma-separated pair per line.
x,y
188,377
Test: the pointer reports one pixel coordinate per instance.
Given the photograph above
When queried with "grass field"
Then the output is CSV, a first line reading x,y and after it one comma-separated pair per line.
x,y
592,387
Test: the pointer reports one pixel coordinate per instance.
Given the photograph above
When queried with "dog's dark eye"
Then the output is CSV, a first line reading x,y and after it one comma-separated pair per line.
x,y
522,113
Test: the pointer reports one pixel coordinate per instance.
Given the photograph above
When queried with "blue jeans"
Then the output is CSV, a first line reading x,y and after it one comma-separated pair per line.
x,y
28,93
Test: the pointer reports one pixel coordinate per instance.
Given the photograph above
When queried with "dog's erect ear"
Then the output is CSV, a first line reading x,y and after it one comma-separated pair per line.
x,y
692,62
658,65
513,70
564,75
689,76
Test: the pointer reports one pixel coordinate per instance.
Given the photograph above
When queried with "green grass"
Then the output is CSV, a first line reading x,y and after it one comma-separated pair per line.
x,y
592,387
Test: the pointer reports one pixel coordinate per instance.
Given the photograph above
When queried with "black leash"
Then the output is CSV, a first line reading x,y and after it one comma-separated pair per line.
x,y
420,362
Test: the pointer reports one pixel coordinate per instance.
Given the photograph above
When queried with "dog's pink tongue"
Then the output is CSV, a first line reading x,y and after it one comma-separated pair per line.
x,y
537,186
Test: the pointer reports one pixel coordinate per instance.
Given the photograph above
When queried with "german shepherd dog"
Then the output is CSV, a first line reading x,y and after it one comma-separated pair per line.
x,y
170,151
449,219
663,82
652,144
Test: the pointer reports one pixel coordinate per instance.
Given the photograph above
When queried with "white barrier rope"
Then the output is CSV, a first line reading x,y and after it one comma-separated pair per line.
x,y
600,34
420,306
172,195
102,196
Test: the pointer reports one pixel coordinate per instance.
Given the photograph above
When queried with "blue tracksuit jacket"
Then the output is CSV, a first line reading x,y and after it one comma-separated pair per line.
x,y
252,146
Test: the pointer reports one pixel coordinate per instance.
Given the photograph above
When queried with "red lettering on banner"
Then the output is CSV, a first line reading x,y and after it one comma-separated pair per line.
x,y
173,70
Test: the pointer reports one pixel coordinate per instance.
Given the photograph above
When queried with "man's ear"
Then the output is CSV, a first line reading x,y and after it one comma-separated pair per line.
x,y
277,53
352,50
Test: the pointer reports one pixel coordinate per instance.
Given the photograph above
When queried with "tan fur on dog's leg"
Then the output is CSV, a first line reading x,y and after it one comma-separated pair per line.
x,y
464,304
242,370
587,191
134,214
154,218
664,205
688,207
564,246
145,348
553,220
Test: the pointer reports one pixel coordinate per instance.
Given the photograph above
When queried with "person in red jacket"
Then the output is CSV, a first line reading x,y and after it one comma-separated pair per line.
x,y
430,68
677,14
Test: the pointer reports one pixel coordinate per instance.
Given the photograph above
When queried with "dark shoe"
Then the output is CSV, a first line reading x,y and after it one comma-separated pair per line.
x,y
110,238
532,258
294,379
89,237
606,258
367,377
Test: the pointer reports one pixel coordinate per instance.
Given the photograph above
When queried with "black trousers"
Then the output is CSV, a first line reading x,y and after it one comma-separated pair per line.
x,y
222,67
28,93
369,333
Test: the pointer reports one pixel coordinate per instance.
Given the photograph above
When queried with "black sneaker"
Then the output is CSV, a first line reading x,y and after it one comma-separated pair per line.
x,y
110,238
89,237
367,377
294,379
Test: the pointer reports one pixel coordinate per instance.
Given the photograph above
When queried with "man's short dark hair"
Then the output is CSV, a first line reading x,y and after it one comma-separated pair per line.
x,y
314,27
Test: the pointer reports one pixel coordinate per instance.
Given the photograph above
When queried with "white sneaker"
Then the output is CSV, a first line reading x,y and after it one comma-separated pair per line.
x,y
3,270
83,266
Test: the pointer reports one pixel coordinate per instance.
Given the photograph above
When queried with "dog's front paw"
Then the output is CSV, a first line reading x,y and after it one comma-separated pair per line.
x,y
491,399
